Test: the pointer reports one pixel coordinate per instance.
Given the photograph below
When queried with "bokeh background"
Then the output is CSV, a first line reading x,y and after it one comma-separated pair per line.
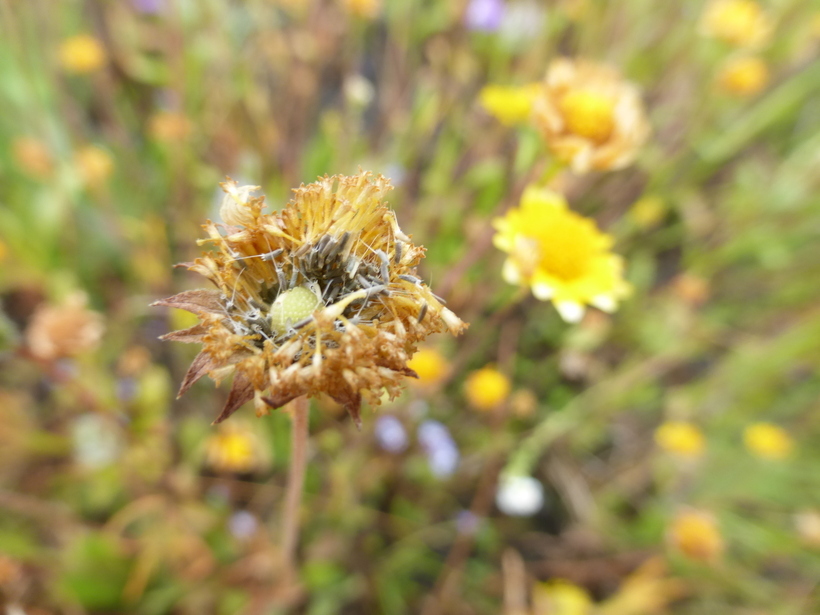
x,y
661,459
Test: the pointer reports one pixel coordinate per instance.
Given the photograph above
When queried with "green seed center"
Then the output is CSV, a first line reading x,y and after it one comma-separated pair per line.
x,y
291,307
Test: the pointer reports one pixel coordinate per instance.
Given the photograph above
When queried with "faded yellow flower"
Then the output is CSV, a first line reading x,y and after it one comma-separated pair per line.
x,y
680,438
82,54
768,441
366,9
487,388
32,157
561,255
648,211
560,597
169,126
696,535
94,165
320,297
235,448
743,76
589,116
738,22
66,330
430,366
510,104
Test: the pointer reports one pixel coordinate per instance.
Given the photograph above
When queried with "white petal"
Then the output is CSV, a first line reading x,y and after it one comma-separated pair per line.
x,y
510,272
542,291
570,311
606,303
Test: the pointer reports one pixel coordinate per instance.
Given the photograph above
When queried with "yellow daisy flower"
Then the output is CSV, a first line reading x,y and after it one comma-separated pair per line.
x,y
510,104
82,54
768,441
589,116
680,438
743,76
696,535
561,255
319,297
738,22
430,366
487,388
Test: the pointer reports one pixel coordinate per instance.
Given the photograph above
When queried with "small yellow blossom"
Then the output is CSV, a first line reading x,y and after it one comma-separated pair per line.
x,y
94,165
169,127
744,76
32,157
486,388
510,105
3,251
561,597
82,54
768,441
738,22
430,365
680,438
560,254
589,116
366,9
696,535
235,449
647,212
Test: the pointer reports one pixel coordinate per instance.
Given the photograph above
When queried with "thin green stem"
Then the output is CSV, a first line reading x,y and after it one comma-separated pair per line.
x,y
299,411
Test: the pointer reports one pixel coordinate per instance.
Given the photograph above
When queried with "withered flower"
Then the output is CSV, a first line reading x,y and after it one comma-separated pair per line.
x,y
66,330
320,297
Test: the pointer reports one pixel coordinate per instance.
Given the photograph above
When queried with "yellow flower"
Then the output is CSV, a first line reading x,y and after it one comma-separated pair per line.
x,y
319,297
510,105
561,255
486,388
768,441
3,251
82,54
430,366
561,597
94,165
744,75
235,449
32,157
169,127
696,535
737,22
680,438
366,9
589,116
647,212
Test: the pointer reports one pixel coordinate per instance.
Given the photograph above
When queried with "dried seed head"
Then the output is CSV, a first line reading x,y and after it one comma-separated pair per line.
x,y
309,299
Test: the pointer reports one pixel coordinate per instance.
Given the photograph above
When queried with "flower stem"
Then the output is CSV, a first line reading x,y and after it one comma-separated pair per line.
x,y
299,412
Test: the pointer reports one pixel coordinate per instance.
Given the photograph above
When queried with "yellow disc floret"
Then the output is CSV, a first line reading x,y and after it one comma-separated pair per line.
x,y
292,307
589,114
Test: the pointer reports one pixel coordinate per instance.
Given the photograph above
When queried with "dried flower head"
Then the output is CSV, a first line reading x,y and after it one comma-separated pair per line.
x,y
589,116
561,255
64,331
320,297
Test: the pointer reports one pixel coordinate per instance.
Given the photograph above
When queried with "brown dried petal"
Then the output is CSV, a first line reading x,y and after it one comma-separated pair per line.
x,y
195,301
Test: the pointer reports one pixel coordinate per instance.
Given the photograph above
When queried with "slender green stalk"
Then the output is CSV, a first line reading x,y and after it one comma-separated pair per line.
x,y
299,410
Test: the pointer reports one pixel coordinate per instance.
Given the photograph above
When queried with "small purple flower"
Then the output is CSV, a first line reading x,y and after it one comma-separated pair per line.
x,y
148,7
484,15
390,434
441,449
242,524
467,522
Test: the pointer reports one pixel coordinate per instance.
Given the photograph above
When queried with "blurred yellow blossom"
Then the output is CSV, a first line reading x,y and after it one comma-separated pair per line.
x,y
768,441
680,438
510,104
65,330
561,255
430,365
94,165
82,54
486,388
3,251
235,448
737,22
561,597
32,157
169,126
696,535
647,212
366,9
590,118
743,75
